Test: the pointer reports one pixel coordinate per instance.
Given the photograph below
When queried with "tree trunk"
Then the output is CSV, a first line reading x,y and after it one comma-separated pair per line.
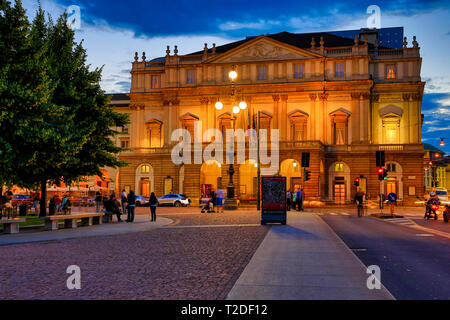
x,y
43,203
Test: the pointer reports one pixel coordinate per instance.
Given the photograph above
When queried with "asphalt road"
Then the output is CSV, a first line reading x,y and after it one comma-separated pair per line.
x,y
413,266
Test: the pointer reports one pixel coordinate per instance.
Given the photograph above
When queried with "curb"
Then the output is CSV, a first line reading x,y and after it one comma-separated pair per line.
x,y
349,250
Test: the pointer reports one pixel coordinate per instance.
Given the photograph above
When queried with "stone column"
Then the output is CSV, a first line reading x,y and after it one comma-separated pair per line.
x,y
276,100
283,123
204,113
141,127
406,128
355,119
313,116
324,99
415,101
375,117
133,126
364,118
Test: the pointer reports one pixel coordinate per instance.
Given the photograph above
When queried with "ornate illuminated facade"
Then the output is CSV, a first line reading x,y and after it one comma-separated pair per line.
x,y
339,99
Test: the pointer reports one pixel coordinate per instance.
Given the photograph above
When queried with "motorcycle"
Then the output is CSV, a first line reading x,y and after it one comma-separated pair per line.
x,y
431,209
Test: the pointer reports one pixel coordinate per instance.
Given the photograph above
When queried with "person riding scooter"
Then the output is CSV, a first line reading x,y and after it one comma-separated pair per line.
x,y
432,206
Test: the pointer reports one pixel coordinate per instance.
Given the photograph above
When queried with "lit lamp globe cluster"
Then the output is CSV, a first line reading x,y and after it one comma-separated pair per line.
x,y
236,108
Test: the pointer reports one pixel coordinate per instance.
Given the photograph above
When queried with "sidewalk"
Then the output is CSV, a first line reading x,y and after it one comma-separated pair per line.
x,y
304,260
141,223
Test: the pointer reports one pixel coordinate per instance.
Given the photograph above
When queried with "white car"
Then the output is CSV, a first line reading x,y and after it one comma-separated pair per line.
x,y
442,194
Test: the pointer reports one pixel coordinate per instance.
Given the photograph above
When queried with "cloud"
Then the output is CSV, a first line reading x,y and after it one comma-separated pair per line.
x,y
260,25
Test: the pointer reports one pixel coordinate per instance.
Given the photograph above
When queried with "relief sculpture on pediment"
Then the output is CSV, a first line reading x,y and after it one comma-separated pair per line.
x,y
264,51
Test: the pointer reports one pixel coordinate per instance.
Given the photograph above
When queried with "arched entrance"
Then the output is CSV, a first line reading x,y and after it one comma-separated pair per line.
x,y
211,173
248,179
292,170
339,182
144,180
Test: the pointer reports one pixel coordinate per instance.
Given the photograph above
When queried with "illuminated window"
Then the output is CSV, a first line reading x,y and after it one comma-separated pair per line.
x,y
339,167
145,169
298,71
262,73
156,82
190,76
391,129
339,70
390,72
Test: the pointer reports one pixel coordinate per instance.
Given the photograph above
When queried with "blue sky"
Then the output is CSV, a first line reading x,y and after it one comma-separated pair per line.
x,y
114,30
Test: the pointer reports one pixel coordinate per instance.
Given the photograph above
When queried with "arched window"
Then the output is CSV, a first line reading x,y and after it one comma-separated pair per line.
x,y
145,169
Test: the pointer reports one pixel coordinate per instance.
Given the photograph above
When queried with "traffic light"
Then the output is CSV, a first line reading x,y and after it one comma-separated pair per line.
x,y
385,174
380,174
305,159
307,175
356,182
380,158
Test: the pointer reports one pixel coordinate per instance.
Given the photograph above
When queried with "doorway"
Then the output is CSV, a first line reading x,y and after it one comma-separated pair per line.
x,y
339,192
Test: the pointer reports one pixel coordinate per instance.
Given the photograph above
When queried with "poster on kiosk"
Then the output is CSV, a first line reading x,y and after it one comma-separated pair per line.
x,y
273,200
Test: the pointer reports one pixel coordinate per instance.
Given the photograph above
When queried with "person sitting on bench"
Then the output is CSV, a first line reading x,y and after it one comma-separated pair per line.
x,y
66,205
112,207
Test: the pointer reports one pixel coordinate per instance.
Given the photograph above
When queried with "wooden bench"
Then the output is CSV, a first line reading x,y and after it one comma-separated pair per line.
x,y
71,220
11,225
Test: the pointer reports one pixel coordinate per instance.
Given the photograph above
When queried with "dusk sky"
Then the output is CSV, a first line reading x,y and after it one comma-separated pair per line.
x,y
114,30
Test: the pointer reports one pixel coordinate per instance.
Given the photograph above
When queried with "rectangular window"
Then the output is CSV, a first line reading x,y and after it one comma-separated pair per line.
x,y
262,73
298,71
391,72
124,144
190,76
156,82
339,133
339,70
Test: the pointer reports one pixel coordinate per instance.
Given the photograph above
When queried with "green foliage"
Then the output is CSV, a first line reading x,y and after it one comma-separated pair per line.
x,y
55,121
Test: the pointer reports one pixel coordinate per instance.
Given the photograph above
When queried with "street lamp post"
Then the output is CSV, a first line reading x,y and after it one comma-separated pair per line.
x,y
230,201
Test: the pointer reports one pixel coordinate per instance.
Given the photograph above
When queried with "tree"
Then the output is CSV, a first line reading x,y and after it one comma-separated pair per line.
x,y
25,94
62,124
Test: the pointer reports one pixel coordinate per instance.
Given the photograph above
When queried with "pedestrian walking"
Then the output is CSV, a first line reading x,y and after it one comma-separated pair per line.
x,y
294,199
299,198
219,200
213,200
124,201
131,200
288,200
98,201
153,205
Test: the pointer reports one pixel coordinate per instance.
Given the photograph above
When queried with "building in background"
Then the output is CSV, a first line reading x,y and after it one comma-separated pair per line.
x,y
338,98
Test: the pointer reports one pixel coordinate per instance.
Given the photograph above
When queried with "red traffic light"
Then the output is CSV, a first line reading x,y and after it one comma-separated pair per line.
x,y
437,155
380,170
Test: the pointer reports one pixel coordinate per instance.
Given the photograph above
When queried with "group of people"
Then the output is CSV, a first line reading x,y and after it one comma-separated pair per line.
x,y
215,202
129,205
294,200
56,204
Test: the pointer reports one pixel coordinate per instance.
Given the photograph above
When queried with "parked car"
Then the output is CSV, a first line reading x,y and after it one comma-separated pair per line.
x,y
175,200
142,201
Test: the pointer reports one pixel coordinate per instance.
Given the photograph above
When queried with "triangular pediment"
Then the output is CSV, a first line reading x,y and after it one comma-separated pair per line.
x,y
264,49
